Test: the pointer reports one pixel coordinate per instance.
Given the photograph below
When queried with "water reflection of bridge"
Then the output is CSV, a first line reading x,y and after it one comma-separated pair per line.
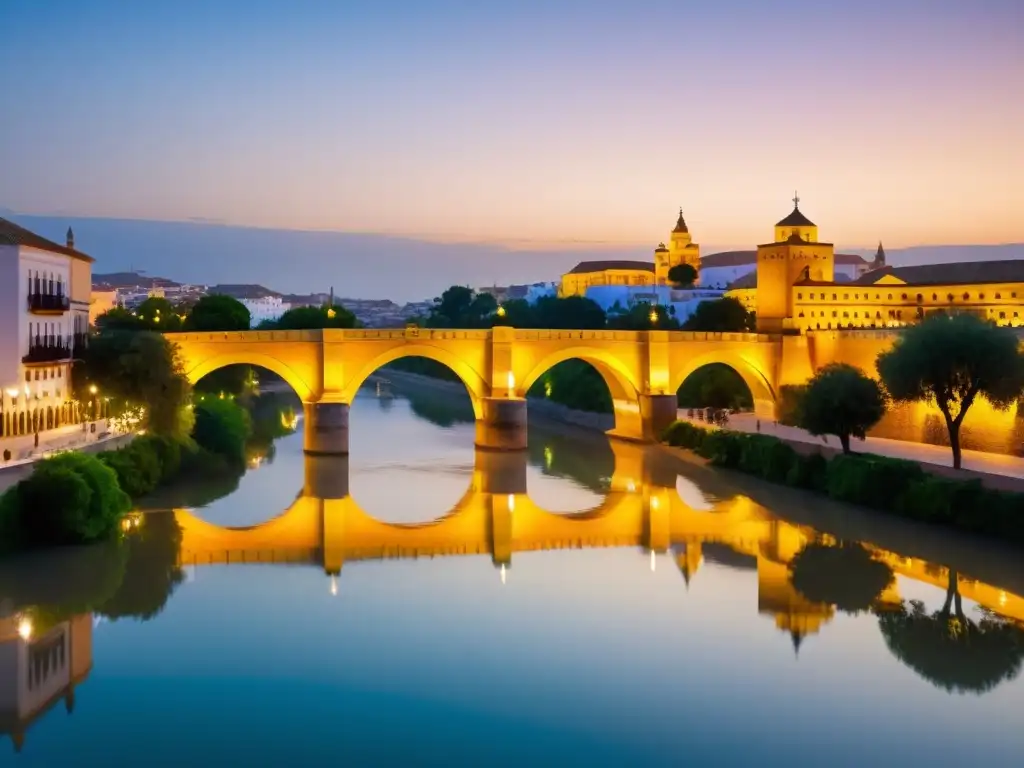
x,y
642,508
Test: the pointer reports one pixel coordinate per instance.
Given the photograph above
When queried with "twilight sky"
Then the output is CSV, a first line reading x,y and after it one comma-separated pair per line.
x,y
527,123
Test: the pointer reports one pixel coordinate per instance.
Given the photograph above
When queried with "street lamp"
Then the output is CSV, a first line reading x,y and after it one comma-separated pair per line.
x,y
653,316
500,311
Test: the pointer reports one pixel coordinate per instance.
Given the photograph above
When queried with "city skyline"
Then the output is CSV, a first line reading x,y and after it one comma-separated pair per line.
x,y
528,127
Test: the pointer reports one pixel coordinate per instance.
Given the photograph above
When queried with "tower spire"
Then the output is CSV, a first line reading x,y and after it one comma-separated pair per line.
x,y
70,238
796,201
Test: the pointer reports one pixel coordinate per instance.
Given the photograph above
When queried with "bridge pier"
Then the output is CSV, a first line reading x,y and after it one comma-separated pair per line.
x,y
502,427
656,413
326,429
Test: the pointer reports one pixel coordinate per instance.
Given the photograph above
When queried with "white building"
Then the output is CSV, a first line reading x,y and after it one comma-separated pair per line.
x,y
265,308
45,292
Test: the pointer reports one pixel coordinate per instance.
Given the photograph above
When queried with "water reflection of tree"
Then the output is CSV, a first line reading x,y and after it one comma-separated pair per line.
x,y
590,463
441,411
950,650
56,584
844,575
152,572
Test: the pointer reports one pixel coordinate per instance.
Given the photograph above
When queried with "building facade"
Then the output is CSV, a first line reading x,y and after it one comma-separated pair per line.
x,y
45,292
264,308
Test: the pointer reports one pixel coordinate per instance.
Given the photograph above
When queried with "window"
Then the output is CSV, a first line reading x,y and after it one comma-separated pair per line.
x,y
904,297
855,314
800,297
801,314
981,297
1002,315
856,296
920,298
966,296
846,297
935,297
834,314
835,297
999,296
889,298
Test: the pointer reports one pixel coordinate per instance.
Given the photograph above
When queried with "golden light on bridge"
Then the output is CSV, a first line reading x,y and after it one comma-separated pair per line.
x,y
25,629
511,503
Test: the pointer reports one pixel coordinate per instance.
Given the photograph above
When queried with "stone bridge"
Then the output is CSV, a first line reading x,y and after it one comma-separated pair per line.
x,y
643,369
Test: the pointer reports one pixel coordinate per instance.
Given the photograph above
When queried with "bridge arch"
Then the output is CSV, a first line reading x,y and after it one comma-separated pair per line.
x,y
756,380
472,379
302,388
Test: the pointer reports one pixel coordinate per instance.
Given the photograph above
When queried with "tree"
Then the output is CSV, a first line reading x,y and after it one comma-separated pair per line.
x,y
639,318
118,319
570,312
152,572
682,275
840,400
949,649
462,307
715,386
725,315
218,313
844,575
158,314
222,427
950,360
135,370
312,318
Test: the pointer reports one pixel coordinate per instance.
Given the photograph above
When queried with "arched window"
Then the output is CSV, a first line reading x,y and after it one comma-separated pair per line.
x,y
966,296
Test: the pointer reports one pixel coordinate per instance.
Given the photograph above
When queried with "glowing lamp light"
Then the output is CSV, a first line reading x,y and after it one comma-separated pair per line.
x,y
331,313
504,573
654,502
12,392
334,585
511,503
654,562
25,629
653,316
92,389
501,311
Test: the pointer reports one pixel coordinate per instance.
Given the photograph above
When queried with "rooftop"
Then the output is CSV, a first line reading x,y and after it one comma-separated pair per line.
x,y
13,234
600,266
955,273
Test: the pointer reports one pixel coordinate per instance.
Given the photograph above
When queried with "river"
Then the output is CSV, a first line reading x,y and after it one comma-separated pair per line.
x,y
422,603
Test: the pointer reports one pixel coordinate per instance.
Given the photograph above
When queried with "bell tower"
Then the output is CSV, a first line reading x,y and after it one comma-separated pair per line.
x,y
681,250
795,256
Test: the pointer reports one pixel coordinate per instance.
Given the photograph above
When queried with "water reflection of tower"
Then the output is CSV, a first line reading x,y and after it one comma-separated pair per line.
x,y
38,667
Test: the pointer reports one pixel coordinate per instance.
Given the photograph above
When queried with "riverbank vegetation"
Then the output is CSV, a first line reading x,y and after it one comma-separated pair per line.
x,y
889,485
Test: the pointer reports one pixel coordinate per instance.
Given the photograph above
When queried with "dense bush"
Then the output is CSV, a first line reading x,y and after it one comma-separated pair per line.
x,y
878,482
71,498
222,427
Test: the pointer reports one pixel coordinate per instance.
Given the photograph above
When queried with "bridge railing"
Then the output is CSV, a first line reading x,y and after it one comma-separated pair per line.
x,y
676,336
530,334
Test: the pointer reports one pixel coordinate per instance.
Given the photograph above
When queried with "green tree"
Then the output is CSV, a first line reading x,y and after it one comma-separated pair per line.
x,y
135,370
570,312
158,314
726,315
715,386
222,427
844,575
645,317
119,319
312,318
950,650
575,384
462,307
218,313
682,275
840,400
950,361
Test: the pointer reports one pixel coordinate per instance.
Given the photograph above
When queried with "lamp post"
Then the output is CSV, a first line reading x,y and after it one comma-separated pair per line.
x,y
94,406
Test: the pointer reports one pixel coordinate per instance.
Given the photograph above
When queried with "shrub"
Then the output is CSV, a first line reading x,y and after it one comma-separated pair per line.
x,y
808,472
871,481
135,470
54,503
107,503
167,451
682,434
222,427
722,448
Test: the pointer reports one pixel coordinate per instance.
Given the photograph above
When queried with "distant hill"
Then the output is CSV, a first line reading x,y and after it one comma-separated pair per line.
x,y
363,265
131,280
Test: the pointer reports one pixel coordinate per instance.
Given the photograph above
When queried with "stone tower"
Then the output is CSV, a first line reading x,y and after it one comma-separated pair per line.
x,y
681,250
795,256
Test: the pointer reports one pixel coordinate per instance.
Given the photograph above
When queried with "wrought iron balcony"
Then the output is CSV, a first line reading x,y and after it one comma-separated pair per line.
x,y
48,303
47,349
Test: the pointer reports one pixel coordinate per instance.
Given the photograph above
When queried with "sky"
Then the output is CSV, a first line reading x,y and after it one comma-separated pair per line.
x,y
524,124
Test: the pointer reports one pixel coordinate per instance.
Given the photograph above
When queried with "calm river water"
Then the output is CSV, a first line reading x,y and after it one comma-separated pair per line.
x,y
588,603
